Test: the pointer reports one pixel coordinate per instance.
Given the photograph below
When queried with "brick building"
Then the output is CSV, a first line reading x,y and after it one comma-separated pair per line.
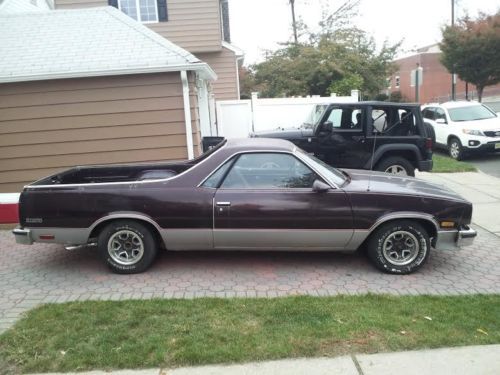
x,y
436,83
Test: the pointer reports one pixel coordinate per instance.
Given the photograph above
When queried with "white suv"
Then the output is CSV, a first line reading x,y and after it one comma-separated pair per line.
x,y
463,127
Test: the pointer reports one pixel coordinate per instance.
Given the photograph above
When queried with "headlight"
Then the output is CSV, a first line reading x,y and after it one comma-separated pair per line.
x,y
473,132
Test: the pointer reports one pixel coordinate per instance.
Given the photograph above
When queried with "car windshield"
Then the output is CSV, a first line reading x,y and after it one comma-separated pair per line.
x,y
331,173
471,113
314,116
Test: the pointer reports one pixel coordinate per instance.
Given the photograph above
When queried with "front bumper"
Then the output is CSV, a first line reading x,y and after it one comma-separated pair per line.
x,y
23,236
455,239
484,148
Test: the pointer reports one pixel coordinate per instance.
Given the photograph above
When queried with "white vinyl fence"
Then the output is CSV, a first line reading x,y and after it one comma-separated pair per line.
x,y
238,118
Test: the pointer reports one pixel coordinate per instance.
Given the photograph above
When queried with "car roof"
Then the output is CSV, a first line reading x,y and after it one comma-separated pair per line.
x,y
259,144
456,104
374,103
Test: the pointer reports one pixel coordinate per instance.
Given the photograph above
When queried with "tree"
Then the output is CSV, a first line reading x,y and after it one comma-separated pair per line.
x,y
329,63
471,49
350,81
247,82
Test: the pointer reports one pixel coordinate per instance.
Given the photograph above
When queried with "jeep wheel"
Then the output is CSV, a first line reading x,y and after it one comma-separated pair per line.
x,y
399,247
396,165
127,246
455,149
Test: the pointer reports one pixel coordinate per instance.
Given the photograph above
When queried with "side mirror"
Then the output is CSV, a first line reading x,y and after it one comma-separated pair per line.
x,y
440,121
320,186
327,127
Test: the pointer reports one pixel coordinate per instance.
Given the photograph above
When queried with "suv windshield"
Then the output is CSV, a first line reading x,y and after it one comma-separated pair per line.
x,y
314,116
471,113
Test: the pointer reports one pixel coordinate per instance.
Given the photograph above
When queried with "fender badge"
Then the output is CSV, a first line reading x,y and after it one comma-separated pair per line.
x,y
34,220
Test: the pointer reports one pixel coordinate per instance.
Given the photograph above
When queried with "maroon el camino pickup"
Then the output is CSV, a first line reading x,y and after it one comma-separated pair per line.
x,y
247,194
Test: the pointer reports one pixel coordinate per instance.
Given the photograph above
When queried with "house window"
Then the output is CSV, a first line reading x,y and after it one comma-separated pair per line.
x,y
397,82
145,11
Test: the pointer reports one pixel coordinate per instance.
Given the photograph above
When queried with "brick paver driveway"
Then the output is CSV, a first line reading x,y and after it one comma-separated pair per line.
x,y
30,275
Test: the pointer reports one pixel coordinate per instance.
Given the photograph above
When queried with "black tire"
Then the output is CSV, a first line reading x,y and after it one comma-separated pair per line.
x,y
396,163
455,149
136,247
387,246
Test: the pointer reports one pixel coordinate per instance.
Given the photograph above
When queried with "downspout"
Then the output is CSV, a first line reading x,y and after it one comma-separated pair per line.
x,y
187,114
238,59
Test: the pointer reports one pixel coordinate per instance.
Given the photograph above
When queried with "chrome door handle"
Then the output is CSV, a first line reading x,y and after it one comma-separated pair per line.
x,y
220,204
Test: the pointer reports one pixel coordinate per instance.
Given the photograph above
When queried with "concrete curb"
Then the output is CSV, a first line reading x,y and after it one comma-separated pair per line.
x,y
471,360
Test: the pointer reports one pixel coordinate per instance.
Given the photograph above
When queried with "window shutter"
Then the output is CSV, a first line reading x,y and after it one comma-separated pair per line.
x,y
162,10
113,3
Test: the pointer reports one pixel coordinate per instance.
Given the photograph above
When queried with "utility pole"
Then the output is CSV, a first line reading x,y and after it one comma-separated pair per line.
x,y
294,24
453,83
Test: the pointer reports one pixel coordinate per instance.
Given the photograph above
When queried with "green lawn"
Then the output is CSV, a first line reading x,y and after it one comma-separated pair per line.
x,y
140,334
445,164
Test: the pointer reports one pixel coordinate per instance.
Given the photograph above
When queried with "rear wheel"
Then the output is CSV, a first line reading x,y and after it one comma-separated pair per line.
x,y
396,165
455,149
399,247
127,246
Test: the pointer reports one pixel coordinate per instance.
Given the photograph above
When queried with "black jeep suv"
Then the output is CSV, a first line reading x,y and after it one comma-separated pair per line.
x,y
389,137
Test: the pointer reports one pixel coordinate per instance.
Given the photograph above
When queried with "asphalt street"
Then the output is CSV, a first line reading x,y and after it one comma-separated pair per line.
x,y
489,163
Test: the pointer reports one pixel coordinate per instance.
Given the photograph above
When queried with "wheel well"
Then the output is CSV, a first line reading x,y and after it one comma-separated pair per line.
x,y
429,227
406,154
154,231
450,137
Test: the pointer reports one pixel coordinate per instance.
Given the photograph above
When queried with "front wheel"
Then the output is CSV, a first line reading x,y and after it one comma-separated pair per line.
x,y
396,165
127,246
456,149
399,247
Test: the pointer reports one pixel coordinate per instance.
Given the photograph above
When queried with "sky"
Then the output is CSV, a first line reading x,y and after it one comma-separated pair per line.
x,y
259,25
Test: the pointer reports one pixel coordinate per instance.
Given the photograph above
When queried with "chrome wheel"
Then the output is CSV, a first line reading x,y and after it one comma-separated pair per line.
x,y
400,248
126,247
397,170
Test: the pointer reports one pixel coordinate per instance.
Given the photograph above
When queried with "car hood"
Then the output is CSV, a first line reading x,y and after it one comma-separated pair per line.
x,y
385,183
486,124
289,133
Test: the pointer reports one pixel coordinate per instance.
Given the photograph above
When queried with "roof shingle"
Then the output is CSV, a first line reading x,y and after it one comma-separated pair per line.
x,y
84,43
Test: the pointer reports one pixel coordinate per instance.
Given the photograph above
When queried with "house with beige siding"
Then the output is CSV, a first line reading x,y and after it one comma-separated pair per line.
x,y
199,26
93,86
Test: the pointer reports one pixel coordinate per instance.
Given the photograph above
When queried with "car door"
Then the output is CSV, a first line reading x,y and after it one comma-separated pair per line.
x,y
441,126
345,146
266,201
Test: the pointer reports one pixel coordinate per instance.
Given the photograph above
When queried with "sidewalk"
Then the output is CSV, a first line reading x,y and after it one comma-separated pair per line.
x,y
470,360
479,188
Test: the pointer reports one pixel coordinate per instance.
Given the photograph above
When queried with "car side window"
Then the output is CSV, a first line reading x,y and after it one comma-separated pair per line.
x,y
379,118
440,114
214,180
346,118
428,113
392,121
335,117
268,171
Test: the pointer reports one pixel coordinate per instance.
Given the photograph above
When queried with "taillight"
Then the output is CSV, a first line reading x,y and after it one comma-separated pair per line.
x,y
428,143
46,236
